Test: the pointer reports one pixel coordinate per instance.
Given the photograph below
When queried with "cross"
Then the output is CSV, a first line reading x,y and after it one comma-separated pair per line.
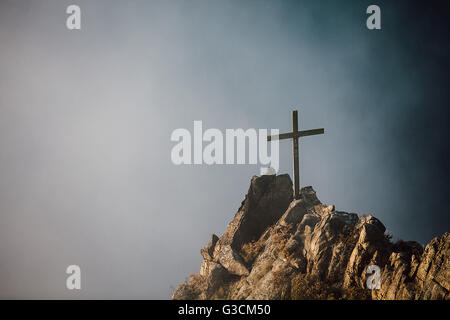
x,y
295,135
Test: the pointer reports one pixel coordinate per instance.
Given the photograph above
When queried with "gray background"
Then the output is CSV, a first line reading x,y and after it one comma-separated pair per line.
x,y
86,118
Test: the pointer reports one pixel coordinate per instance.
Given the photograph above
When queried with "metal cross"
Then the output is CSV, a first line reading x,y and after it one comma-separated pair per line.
x,y
294,135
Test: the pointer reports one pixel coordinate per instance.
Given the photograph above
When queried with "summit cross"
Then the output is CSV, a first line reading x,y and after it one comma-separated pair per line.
x,y
295,135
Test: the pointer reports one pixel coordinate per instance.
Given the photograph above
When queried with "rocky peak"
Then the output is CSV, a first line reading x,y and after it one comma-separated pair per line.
x,y
279,248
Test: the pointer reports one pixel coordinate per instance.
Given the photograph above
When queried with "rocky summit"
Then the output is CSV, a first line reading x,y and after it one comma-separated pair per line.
x,y
279,248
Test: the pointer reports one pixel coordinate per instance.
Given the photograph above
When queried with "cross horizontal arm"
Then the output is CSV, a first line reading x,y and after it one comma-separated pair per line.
x,y
312,132
281,136
297,134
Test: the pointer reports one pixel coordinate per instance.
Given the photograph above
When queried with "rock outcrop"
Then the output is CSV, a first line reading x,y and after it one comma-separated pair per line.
x,y
279,248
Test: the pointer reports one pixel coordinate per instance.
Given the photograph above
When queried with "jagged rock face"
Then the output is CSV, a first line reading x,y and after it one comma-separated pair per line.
x,y
279,248
265,202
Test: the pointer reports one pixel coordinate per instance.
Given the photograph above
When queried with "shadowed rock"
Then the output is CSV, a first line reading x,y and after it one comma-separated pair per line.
x,y
265,202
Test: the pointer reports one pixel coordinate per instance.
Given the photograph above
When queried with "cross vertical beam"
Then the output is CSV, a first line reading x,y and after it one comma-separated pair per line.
x,y
295,165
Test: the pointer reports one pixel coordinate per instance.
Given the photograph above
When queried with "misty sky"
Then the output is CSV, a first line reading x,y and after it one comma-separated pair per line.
x,y
86,118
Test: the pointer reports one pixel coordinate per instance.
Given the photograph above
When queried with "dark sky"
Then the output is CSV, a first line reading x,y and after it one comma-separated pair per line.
x,y
86,118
